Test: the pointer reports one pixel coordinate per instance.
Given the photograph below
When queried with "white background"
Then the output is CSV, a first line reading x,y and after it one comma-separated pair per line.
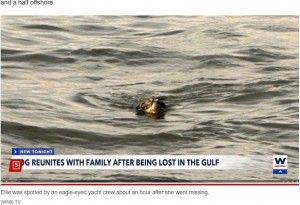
x,y
159,7
217,194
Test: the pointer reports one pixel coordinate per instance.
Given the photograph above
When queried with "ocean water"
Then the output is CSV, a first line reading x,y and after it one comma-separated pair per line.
x,y
231,84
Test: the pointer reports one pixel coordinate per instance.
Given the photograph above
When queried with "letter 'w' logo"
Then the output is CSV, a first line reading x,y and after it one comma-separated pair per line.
x,y
280,160
279,164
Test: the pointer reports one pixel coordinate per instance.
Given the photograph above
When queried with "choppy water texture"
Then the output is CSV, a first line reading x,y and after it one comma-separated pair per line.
x,y
231,85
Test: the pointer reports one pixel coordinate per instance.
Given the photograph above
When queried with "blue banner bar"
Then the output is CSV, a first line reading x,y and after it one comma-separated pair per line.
x,y
32,151
279,171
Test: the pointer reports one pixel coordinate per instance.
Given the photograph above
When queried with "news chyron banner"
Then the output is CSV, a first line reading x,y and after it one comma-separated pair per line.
x,y
44,158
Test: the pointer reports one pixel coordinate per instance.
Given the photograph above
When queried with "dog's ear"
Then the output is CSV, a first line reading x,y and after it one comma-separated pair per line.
x,y
163,105
138,107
